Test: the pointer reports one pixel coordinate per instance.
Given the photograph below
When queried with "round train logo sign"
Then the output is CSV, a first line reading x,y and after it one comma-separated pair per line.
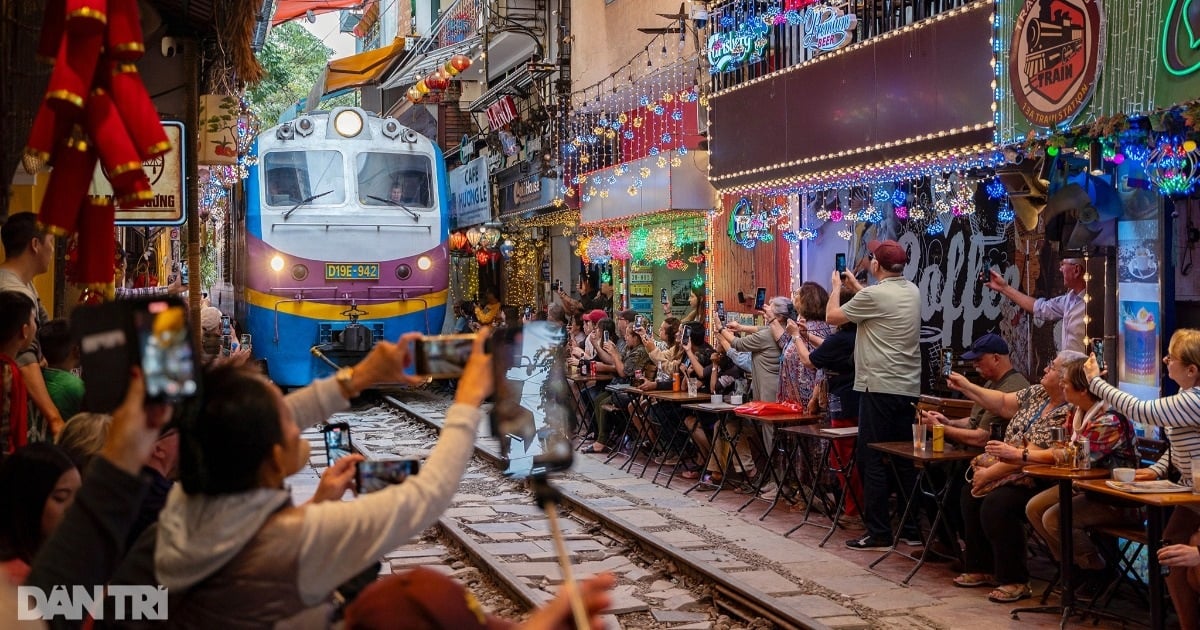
x,y
1055,57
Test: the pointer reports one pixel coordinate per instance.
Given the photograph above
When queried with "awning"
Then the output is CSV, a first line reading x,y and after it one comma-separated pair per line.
x,y
369,18
516,83
417,67
355,71
286,10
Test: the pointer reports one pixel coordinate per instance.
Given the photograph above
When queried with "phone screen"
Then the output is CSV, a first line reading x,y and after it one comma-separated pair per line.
x,y
721,310
167,358
442,356
606,336
639,323
760,298
947,363
533,407
337,441
662,296
379,474
839,262
1098,350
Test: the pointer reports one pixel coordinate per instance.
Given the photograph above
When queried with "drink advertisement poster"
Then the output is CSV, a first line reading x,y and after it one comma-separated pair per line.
x,y
1139,330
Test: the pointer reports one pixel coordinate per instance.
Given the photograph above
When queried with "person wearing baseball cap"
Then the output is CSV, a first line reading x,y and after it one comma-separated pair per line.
x,y
887,362
989,355
1068,307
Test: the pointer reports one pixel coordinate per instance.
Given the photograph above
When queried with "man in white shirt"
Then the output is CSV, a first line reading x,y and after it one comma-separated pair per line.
x,y
1068,307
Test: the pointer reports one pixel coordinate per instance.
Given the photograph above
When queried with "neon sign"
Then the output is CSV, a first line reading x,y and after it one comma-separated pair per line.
x,y
1180,39
749,226
825,28
728,50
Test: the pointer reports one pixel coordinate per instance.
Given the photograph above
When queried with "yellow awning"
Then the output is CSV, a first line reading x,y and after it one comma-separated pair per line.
x,y
362,69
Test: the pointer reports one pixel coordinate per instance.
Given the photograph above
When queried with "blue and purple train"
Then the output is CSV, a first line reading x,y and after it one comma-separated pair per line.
x,y
345,241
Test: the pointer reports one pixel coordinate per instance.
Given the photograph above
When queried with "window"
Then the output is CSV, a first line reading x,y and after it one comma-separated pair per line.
x,y
395,179
293,176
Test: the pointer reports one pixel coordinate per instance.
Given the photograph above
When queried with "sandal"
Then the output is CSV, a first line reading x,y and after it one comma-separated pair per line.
x,y
599,447
1010,593
690,474
973,580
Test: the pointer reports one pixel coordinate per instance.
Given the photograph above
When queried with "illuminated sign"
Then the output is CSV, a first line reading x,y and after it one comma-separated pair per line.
x,y
1057,47
825,28
730,49
1181,38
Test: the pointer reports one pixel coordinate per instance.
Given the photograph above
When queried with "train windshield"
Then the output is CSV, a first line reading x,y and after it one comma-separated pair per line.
x,y
395,179
293,176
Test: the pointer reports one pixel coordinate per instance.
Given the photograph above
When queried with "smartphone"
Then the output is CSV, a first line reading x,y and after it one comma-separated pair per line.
x,y
760,298
1098,350
528,312
226,326
606,336
337,441
226,345
839,262
985,274
662,296
721,310
152,333
370,476
533,409
947,363
442,356
639,323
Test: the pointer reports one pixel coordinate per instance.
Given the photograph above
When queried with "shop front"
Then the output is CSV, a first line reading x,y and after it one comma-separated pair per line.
x,y
532,225
650,239
475,258
888,138
1108,140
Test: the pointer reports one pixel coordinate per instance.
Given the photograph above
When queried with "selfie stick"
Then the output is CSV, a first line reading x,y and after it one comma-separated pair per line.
x,y
547,498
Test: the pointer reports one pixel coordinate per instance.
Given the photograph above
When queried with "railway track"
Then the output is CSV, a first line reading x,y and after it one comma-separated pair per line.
x,y
585,517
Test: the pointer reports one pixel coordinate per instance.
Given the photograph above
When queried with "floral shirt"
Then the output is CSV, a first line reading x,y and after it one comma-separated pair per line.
x,y
1034,418
796,380
1110,437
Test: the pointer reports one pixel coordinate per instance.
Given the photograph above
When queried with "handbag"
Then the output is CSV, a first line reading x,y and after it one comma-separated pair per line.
x,y
764,408
984,460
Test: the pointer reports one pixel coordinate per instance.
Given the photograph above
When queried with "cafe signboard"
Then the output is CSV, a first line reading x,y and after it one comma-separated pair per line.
x,y
1055,58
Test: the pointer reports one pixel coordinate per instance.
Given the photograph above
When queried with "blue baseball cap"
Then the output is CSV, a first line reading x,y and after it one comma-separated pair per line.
x,y
990,343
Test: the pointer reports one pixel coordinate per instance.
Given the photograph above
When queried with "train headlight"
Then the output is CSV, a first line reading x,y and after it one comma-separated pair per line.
x,y
348,123
299,272
424,263
277,262
403,272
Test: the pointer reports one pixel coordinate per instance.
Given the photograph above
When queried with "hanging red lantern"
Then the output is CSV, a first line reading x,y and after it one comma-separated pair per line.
x,y
482,257
458,241
437,80
459,62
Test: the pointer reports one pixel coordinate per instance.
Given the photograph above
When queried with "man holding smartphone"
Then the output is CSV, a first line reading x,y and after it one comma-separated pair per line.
x,y
887,362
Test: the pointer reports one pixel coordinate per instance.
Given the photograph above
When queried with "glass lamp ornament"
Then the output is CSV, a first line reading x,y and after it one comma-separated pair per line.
x,y
473,237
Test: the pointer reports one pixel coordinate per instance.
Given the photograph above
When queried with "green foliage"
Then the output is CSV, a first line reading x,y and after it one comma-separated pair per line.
x,y
292,60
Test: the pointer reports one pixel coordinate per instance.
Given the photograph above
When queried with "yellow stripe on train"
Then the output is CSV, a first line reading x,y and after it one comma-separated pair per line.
x,y
314,309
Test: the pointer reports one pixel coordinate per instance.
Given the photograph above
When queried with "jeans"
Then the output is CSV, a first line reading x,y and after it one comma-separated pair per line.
x,y
884,418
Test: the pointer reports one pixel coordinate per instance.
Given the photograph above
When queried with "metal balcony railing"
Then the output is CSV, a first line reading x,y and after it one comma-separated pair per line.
x,y
774,34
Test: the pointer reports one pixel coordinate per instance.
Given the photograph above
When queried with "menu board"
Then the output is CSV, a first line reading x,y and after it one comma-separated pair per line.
x,y
1139,323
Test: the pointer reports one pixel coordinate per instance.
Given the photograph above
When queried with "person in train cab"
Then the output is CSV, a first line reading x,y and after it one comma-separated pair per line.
x,y
281,187
1068,307
887,374
407,189
230,546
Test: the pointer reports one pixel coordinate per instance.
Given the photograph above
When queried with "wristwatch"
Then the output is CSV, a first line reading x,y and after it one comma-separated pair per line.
x,y
344,377
1025,455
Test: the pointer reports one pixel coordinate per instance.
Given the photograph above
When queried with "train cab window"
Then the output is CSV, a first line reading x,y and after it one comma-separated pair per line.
x,y
386,179
293,176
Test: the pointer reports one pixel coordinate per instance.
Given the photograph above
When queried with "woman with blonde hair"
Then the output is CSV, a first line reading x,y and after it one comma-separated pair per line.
x,y
1180,413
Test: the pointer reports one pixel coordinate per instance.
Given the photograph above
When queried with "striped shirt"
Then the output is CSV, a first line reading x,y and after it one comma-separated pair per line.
x,y
1179,413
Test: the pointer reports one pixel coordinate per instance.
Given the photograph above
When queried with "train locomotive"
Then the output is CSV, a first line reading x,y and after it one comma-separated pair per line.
x,y
345,241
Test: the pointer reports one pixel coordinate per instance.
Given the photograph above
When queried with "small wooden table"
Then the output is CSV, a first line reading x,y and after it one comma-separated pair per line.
x,y
666,441
1065,477
1156,506
820,489
922,460
773,420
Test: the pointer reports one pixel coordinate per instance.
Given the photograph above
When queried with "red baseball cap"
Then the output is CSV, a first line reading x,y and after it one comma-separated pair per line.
x,y
420,599
595,315
890,254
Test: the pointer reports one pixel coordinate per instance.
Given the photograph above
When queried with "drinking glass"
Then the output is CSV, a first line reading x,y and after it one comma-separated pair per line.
x,y
693,386
918,437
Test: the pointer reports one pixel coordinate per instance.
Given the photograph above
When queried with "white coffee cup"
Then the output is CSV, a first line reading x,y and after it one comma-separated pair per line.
x,y
716,399
735,399
1123,474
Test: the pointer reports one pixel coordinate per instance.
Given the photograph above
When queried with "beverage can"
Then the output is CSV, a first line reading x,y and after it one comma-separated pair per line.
x,y
939,438
583,367
1084,454
675,382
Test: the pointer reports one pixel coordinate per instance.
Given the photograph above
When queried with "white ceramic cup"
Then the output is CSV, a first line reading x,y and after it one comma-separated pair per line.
x,y
1123,474
715,399
735,399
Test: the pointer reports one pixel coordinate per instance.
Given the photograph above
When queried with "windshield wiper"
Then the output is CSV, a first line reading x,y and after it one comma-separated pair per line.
x,y
308,199
389,202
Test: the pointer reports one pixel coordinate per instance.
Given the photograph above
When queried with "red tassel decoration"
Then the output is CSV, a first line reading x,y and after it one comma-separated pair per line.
x,y
68,186
52,30
135,192
74,72
117,154
86,17
123,38
94,264
48,127
138,113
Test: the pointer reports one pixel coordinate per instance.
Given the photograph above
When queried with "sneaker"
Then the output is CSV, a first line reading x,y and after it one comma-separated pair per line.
x,y
912,539
868,543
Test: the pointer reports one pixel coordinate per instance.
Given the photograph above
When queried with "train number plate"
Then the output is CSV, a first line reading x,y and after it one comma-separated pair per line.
x,y
351,271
